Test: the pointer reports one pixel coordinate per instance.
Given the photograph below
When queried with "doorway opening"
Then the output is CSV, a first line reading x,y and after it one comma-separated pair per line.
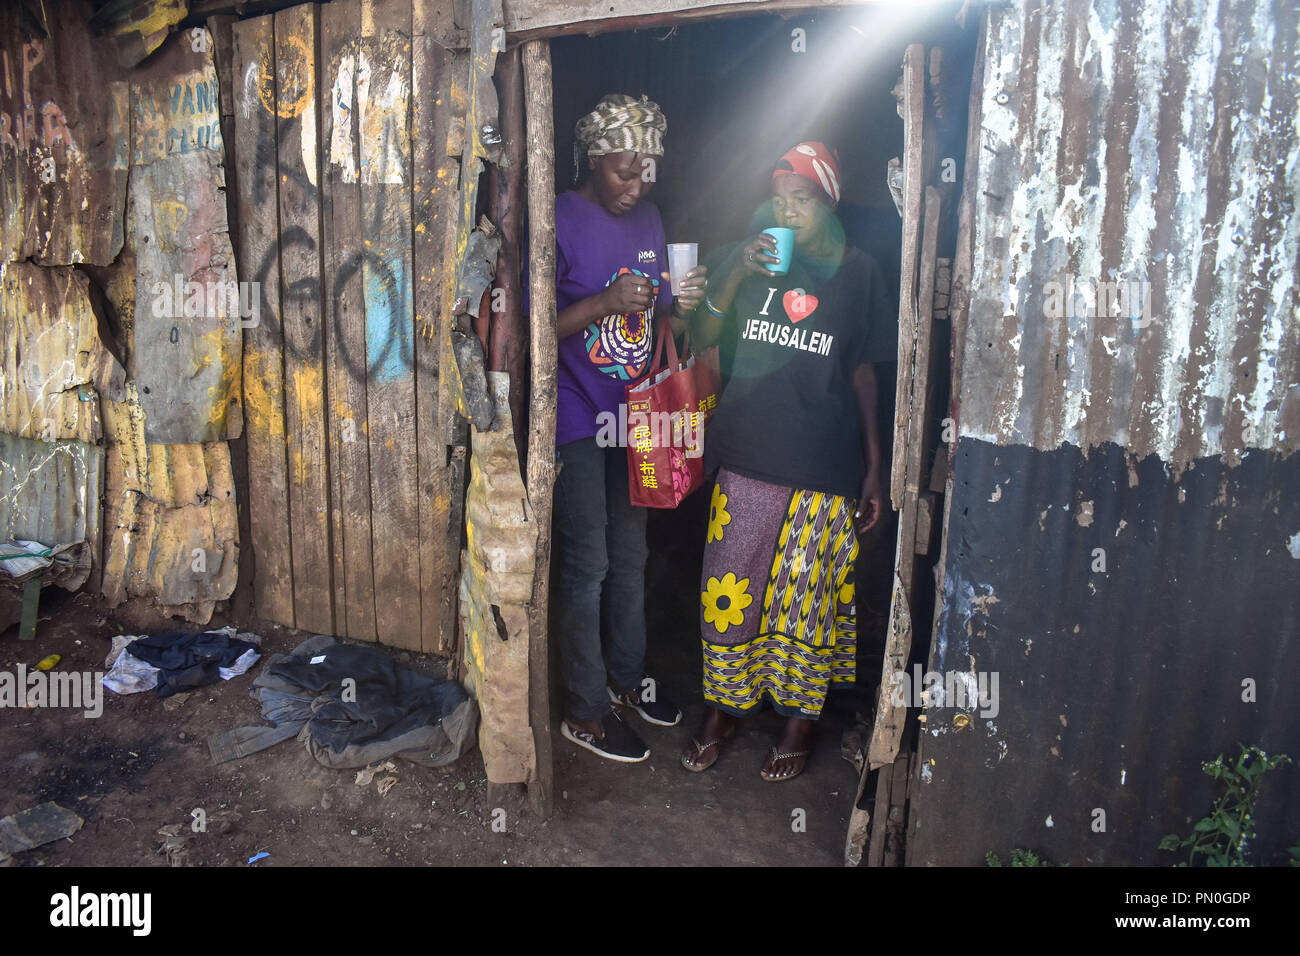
x,y
737,94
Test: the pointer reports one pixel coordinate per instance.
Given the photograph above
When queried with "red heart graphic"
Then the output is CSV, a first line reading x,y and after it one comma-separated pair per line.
x,y
798,305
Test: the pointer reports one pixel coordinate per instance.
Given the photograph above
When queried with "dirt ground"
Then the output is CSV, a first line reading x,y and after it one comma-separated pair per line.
x,y
143,766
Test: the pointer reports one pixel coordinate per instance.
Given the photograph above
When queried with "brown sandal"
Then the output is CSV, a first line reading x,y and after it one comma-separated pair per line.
x,y
697,749
774,755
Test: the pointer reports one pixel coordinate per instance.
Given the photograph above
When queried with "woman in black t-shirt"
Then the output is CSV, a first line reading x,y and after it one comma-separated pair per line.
x,y
794,439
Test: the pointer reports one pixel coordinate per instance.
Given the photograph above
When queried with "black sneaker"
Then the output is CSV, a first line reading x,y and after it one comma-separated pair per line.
x,y
649,704
619,743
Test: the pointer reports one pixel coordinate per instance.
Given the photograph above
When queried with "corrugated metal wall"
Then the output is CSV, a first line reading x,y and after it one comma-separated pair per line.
x,y
63,151
49,492
1123,551
1152,144
152,379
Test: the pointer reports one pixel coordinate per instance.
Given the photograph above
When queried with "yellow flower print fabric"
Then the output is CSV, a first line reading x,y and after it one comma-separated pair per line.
x,y
718,516
725,602
796,548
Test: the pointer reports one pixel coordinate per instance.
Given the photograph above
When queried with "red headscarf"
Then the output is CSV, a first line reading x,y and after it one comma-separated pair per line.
x,y
813,161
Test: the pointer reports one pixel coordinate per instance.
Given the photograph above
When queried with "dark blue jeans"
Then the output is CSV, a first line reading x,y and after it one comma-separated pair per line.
x,y
601,558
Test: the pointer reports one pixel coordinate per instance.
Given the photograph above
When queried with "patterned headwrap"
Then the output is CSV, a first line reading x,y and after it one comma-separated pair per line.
x,y
619,124
813,161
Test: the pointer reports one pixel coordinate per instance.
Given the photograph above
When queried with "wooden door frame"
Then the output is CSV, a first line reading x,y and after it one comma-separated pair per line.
x,y
543,19
912,481
539,117
534,22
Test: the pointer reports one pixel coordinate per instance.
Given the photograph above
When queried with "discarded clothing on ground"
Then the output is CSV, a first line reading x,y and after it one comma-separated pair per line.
x,y
171,663
383,710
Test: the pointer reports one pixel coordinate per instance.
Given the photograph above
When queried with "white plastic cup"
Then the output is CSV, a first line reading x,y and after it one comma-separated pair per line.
x,y
682,258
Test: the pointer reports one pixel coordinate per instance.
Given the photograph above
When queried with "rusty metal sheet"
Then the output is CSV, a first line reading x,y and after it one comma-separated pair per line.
x,y
171,527
54,365
186,353
1136,244
49,492
63,142
1123,538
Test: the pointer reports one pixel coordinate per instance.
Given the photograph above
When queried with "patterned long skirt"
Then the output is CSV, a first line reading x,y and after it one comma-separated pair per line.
x,y
777,614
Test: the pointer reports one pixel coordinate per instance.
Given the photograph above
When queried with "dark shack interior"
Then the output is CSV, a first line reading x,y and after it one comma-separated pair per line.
x,y
737,93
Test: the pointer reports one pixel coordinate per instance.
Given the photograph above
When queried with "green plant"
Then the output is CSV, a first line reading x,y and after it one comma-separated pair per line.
x,y
1019,857
1223,837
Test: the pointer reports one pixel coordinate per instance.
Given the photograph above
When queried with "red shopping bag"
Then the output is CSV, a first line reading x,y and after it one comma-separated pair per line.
x,y
708,379
666,415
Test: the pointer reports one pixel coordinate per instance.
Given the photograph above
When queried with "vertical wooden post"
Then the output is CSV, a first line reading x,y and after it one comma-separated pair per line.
x,y
508,347
31,608
888,730
435,186
914,180
541,418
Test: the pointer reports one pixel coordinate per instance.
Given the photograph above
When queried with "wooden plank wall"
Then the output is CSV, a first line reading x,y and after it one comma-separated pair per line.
x,y
352,558
254,158
343,176
298,195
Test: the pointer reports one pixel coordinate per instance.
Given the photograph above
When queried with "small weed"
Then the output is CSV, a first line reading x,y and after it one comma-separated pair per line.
x,y
1223,837
1019,857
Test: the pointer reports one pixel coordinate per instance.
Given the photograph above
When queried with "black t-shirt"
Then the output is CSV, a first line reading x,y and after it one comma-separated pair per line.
x,y
787,414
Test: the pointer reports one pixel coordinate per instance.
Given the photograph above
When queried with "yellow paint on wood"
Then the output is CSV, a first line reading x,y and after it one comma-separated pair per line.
x,y
297,78
309,401
261,405
162,16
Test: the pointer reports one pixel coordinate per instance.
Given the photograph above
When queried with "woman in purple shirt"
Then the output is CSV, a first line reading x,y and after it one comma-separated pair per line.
x,y
611,287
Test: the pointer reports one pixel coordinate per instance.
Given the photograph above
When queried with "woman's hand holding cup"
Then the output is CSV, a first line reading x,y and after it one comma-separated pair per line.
x,y
758,252
693,285
629,293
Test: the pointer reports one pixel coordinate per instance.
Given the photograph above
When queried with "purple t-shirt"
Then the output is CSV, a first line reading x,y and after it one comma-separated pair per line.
x,y
592,248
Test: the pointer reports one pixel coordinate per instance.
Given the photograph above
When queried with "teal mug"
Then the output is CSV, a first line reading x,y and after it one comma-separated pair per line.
x,y
784,248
